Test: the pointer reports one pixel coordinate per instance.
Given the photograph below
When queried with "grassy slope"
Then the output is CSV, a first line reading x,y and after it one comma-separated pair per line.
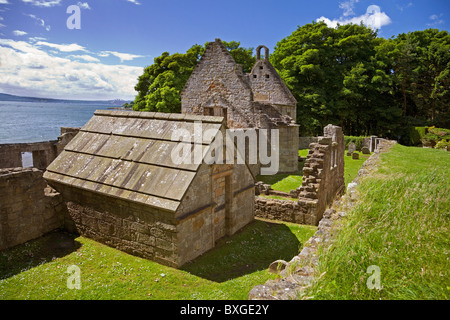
x,y
401,225
230,271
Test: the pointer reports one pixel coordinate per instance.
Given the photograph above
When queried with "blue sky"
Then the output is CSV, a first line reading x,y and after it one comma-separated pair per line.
x,y
40,56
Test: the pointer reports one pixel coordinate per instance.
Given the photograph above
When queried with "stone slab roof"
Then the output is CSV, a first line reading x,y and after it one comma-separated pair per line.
x,y
127,155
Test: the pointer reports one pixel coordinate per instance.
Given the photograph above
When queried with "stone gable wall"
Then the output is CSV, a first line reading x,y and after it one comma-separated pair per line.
x,y
218,80
267,86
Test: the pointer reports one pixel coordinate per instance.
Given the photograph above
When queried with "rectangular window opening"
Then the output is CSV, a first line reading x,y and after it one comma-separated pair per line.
x,y
27,159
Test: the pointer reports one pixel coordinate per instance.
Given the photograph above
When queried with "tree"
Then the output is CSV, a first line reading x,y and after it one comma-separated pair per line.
x,y
160,85
431,88
421,66
306,62
336,79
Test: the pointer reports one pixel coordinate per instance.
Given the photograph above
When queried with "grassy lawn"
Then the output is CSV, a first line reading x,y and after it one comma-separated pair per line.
x,y
288,182
352,166
401,226
38,269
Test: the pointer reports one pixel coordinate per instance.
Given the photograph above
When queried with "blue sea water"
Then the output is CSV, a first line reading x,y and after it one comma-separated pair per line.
x,y
41,121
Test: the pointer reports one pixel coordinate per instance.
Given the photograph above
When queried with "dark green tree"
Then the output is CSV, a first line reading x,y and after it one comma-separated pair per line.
x,y
420,68
336,79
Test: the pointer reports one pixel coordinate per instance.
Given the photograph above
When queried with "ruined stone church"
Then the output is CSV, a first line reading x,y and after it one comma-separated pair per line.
x,y
257,100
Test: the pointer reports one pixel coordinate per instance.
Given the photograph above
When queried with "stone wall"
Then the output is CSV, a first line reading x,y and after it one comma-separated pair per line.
x,y
323,181
43,153
288,160
257,100
128,226
276,209
28,209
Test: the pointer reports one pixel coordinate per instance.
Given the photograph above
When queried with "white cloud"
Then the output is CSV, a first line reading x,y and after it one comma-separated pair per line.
x,y
435,20
35,39
43,3
19,33
4,2
348,7
28,69
40,21
373,18
62,47
134,1
84,5
121,56
85,57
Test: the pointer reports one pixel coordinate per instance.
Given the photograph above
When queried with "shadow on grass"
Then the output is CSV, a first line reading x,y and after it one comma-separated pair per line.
x,y
35,252
251,249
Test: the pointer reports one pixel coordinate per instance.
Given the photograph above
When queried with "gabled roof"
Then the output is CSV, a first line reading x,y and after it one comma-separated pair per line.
x,y
219,54
284,95
127,155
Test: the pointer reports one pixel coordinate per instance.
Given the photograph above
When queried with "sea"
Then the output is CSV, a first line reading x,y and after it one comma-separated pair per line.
x,y
42,121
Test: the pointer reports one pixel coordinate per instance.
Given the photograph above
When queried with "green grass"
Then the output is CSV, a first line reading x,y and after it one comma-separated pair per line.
x,y
38,269
288,182
400,224
352,166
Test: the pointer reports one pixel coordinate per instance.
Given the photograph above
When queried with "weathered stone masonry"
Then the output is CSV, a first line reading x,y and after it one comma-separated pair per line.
x,y
43,153
28,209
123,189
257,100
323,181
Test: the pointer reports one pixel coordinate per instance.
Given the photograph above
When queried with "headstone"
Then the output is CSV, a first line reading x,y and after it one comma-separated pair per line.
x,y
355,155
366,142
351,147
365,150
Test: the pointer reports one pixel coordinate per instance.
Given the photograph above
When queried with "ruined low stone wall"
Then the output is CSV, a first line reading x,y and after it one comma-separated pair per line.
x,y
28,209
323,181
43,153
276,209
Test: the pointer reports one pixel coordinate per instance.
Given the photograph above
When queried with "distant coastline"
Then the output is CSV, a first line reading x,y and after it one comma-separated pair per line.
x,y
10,97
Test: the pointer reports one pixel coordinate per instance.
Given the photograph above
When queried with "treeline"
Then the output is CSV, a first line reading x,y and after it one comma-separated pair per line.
x,y
347,76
